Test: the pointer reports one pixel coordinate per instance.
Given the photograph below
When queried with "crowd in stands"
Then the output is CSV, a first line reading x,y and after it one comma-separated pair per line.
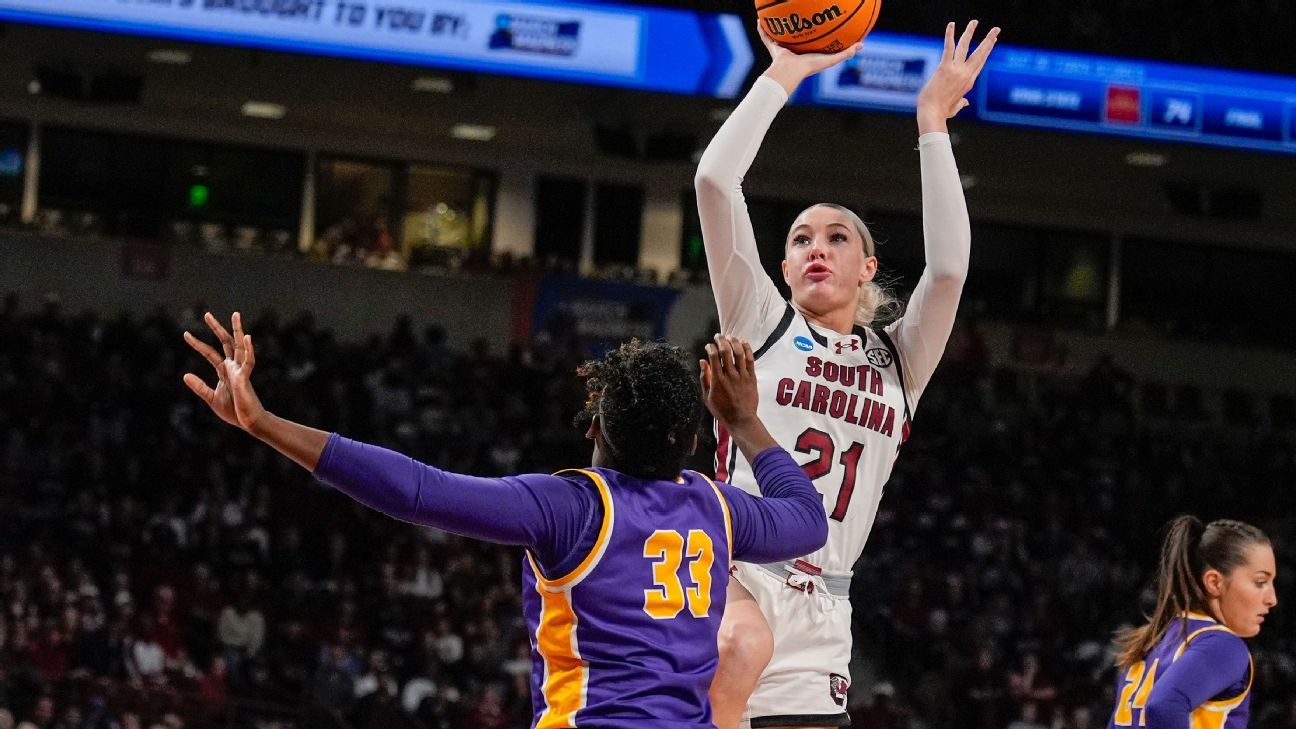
x,y
161,570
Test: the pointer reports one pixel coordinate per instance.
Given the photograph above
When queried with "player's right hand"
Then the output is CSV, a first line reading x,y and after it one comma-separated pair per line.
x,y
729,380
233,399
790,69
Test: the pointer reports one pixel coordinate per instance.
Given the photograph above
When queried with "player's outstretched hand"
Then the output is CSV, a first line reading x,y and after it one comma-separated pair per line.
x,y
944,94
729,381
790,69
233,399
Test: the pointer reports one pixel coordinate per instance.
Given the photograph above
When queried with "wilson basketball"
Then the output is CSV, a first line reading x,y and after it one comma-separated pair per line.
x,y
817,26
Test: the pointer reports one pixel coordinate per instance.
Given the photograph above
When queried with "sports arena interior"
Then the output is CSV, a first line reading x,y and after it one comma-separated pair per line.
x,y
426,251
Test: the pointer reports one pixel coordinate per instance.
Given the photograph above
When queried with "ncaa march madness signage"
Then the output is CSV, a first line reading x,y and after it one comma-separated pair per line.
x,y
652,49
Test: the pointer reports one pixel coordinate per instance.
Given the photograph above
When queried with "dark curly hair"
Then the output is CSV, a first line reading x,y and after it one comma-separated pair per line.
x,y
650,406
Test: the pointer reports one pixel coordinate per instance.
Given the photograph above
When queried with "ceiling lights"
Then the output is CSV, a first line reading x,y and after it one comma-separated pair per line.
x,y
1146,159
264,110
473,132
170,56
433,84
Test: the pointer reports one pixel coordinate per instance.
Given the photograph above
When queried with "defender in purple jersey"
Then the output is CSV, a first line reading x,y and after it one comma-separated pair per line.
x,y
627,562
1188,667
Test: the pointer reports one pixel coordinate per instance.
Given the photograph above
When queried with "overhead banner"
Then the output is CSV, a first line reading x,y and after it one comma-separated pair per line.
x,y
652,49
1078,92
600,315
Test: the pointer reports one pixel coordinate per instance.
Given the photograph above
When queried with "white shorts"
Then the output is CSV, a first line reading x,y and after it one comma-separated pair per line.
x,y
806,681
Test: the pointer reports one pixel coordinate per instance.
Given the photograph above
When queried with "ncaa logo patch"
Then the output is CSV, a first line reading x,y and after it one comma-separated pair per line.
x,y
838,686
803,344
879,357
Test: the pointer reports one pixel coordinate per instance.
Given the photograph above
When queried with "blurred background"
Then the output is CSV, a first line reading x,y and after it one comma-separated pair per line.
x,y
430,217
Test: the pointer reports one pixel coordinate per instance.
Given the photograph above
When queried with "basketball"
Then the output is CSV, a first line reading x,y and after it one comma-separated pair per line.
x,y
817,26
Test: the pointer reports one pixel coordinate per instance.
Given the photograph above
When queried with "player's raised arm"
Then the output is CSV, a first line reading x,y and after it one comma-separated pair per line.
x,y
745,296
922,333
789,520
537,511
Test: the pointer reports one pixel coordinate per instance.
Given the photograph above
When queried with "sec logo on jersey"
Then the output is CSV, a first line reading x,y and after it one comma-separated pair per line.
x,y
803,344
879,357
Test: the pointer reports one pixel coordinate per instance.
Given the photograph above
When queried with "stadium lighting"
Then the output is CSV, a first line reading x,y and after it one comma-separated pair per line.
x,y
1146,159
264,110
170,56
433,84
473,132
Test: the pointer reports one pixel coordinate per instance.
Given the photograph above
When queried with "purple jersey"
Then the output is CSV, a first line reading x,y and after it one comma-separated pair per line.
x,y
1197,676
627,638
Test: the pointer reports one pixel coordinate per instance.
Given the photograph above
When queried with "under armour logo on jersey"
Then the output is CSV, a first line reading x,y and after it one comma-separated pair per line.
x,y
847,345
879,357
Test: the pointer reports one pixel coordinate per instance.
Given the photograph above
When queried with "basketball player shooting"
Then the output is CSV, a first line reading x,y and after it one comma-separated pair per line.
x,y
833,386
627,561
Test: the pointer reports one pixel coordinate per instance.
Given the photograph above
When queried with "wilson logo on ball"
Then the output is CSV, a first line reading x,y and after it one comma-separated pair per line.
x,y
817,26
793,24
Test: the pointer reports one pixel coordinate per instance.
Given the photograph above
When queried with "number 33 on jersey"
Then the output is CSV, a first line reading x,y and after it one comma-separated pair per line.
x,y
639,609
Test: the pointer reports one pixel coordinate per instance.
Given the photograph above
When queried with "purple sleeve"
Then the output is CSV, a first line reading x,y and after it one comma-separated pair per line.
x,y
1215,664
789,520
546,514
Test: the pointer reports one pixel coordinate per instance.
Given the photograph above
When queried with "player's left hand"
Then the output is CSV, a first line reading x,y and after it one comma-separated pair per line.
x,y
233,399
944,94
729,381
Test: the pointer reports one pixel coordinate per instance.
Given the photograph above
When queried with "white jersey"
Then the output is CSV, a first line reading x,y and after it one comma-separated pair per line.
x,y
837,403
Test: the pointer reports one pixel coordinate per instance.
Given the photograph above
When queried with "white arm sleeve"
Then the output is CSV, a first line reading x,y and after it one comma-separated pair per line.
x,y
747,300
922,332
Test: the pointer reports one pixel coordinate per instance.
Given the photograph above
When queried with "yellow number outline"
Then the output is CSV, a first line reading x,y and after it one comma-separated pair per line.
x,y
1139,681
666,548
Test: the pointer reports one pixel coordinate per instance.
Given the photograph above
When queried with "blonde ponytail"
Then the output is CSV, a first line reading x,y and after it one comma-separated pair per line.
x,y
876,304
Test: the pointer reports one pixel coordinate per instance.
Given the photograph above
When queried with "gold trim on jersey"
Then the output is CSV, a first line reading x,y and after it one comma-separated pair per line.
x,y
566,674
1213,714
724,506
573,578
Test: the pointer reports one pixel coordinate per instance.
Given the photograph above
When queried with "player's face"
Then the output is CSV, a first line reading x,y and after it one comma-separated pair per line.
x,y
1247,593
825,263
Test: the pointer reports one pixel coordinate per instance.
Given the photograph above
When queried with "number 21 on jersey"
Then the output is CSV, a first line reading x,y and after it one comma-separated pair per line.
x,y
668,549
817,441
1138,686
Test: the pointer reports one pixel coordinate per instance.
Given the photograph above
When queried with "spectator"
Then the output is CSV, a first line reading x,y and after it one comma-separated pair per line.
x,y
999,565
881,713
1029,718
240,632
145,660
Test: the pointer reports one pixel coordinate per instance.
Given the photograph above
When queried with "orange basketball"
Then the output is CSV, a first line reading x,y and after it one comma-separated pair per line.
x,y
817,26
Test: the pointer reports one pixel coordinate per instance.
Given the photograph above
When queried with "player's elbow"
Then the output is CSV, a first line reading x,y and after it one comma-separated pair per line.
x,y
821,529
710,184
816,528
948,274
1165,710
